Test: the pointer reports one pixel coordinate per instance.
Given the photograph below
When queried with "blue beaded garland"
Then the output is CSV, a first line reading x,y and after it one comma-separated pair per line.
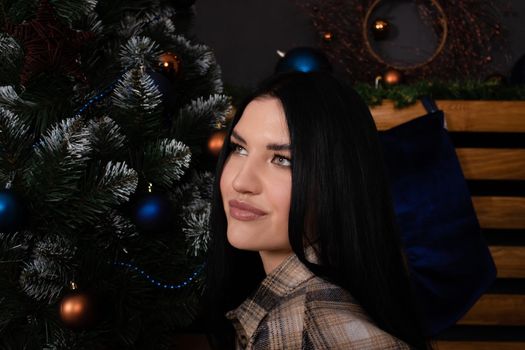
x,y
159,283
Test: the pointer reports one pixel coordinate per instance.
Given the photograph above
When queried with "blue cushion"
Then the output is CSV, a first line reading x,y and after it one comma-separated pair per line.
x,y
450,263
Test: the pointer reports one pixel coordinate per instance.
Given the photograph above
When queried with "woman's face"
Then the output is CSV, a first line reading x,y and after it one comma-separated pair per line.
x,y
258,173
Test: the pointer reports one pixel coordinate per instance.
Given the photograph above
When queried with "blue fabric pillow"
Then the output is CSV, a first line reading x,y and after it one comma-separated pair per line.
x,y
450,263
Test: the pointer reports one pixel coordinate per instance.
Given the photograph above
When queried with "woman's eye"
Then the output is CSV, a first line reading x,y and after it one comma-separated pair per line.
x,y
235,148
282,160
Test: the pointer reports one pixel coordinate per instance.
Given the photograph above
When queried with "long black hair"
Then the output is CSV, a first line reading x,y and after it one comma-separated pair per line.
x,y
340,201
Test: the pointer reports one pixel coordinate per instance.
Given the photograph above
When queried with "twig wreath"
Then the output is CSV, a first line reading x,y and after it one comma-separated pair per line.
x,y
467,33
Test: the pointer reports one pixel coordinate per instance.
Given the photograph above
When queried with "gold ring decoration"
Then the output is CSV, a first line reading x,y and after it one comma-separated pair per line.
x,y
366,39
465,39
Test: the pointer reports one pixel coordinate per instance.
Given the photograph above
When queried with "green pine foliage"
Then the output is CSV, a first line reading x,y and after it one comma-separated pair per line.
x,y
406,94
80,150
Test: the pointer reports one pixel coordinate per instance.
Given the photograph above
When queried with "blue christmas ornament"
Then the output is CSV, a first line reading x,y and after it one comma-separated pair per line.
x,y
12,212
303,59
152,213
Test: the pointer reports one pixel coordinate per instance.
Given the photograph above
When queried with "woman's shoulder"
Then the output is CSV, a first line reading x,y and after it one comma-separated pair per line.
x,y
333,318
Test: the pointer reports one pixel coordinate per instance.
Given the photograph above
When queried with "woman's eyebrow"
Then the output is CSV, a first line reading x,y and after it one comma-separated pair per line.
x,y
270,146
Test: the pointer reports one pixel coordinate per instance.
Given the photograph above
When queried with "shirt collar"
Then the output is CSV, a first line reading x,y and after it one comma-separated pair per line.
x,y
280,282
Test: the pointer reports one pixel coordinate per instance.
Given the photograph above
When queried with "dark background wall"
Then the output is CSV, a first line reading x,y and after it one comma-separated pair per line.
x,y
245,35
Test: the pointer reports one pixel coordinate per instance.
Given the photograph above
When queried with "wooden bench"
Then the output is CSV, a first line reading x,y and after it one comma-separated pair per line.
x,y
490,143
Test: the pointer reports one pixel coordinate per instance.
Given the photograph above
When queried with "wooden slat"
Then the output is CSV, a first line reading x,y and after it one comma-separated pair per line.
x,y
461,115
510,261
492,163
386,116
500,212
497,310
478,345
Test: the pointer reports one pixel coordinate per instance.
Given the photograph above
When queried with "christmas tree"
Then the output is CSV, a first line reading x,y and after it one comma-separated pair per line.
x,y
106,110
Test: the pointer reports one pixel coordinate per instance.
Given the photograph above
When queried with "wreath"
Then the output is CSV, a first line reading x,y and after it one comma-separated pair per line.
x,y
467,32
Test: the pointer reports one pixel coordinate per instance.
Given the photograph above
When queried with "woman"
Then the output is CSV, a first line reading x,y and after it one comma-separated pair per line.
x,y
305,251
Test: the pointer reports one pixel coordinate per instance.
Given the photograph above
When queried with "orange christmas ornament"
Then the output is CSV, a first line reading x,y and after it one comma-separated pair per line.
x,y
216,141
169,64
380,29
77,310
328,36
392,77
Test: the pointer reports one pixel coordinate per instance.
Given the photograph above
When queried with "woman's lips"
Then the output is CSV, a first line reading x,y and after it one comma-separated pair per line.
x,y
244,212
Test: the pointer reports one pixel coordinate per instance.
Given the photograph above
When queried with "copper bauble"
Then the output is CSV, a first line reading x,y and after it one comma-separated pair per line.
x,y
392,77
169,65
380,29
328,37
216,141
77,310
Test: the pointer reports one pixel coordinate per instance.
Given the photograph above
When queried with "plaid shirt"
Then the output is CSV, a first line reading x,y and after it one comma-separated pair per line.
x,y
294,309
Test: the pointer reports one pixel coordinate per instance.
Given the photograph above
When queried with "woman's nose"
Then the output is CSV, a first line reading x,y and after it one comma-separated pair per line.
x,y
247,178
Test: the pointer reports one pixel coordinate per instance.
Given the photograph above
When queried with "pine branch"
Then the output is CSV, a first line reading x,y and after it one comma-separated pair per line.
x,y
195,120
196,226
165,161
200,186
161,28
10,99
99,195
15,144
197,193
68,138
14,249
105,138
47,274
53,174
139,51
73,10
11,56
19,10
213,109
200,65
113,231
118,183
40,107
137,103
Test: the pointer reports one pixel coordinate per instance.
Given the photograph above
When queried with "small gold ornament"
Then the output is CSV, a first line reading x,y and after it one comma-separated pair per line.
x,y
380,29
216,141
392,77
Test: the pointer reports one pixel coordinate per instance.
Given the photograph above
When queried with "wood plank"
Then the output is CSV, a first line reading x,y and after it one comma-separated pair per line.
x,y
478,345
497,310
510,261
492,163
500,212
460,115
386,116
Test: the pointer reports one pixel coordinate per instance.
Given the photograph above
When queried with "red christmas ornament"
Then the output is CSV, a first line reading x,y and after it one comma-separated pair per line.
x,y
48,44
